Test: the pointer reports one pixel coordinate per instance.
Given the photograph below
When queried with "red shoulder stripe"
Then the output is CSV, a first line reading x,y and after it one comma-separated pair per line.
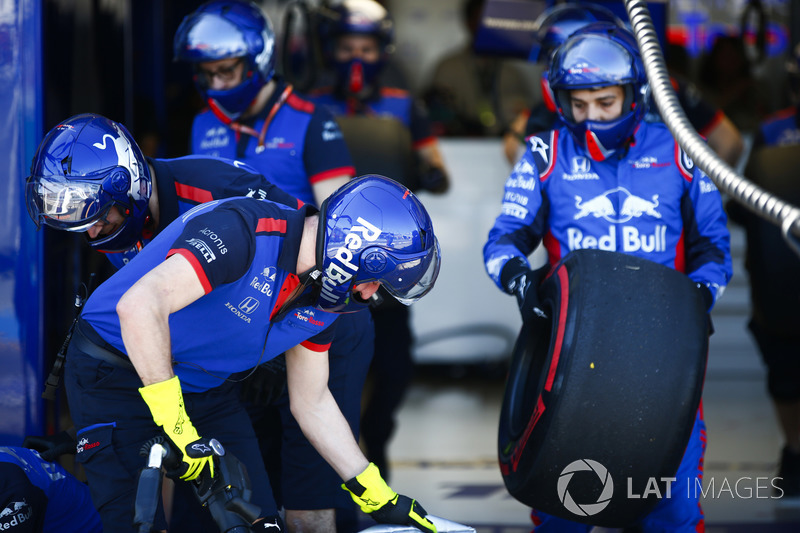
x,y
271,225
314,347
195,194
332,173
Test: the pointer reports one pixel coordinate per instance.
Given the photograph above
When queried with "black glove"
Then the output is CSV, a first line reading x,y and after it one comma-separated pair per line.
x,y
52,447
518,279
434,179
705,294
267,383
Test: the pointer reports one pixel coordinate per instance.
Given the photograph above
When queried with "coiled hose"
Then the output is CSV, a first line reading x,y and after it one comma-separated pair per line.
x,y
727,180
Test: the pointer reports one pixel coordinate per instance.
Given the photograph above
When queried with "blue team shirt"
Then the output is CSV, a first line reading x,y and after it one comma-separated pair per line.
x,y
652,203
389,102
185,182
303,144
36,495
244,251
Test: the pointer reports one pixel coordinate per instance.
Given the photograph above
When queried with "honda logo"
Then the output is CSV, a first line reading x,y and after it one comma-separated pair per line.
x,y
248,305
580,165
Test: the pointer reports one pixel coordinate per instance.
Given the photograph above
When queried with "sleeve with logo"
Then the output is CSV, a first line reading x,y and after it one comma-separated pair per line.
x,y
519,227
708,255
219,245
227,178
326,154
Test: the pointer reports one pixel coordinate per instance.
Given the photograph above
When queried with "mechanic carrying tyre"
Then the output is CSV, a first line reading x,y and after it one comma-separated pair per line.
x,y
606,182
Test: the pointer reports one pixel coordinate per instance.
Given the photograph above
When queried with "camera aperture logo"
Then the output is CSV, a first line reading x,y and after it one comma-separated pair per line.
x,y
585,509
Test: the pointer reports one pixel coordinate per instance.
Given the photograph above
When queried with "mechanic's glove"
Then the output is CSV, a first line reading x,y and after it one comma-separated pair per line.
x,y
267,383
518,279
434,179
705,294
52,447
165,401
373,495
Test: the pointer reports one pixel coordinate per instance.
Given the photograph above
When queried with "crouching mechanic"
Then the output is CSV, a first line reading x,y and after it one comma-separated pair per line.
x,y
37,495
174,326
609,180
254,116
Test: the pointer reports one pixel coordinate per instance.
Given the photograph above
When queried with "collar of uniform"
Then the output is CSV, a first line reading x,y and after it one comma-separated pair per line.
x,y
280,85
165,190
295,221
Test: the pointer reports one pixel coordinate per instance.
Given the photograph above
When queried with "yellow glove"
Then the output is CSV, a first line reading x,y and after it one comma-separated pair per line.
x,y
165,401
373,495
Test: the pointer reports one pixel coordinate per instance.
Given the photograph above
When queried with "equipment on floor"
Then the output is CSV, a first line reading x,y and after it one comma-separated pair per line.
x,y
442,526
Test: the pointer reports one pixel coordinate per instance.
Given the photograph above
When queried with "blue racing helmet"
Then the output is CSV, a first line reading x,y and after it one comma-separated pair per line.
x,y
553,27
82,168
222,30
358,17
374,229
599,55
558,22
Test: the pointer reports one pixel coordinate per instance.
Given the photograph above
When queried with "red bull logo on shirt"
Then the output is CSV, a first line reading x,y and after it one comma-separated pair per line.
x,y
632,239
603,206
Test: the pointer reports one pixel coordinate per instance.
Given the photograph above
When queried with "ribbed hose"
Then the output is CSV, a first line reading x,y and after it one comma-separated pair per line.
x,y
727,180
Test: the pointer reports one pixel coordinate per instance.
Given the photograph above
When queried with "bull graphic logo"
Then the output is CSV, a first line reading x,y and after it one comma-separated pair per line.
x,y
603,206
269,273
580,165
125,155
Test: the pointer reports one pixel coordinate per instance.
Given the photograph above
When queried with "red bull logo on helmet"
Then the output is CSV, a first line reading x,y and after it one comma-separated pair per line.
x,y
341,269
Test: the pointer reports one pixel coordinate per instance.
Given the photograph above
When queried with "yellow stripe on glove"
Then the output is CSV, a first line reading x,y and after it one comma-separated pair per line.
x,y
165,400
373,496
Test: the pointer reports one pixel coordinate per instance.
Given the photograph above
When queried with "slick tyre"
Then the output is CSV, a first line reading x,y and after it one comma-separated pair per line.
x,y
601,397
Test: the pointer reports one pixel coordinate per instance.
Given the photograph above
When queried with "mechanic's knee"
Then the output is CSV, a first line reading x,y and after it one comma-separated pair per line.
x,y
310,521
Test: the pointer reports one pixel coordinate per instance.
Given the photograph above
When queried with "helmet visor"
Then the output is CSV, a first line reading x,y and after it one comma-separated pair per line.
x,y
208,37
65,204
404,283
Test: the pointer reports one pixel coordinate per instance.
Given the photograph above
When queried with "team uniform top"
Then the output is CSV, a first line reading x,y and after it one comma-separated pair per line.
x,y
388,102
244,251
302,145
779,129
38,496
185,182
651,202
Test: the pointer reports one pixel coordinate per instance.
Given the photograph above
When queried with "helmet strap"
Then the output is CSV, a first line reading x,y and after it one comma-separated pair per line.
x,y
355,81
547,95
597,151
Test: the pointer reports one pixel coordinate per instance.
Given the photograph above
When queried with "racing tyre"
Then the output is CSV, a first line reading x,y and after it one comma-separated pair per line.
x,y
601,397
